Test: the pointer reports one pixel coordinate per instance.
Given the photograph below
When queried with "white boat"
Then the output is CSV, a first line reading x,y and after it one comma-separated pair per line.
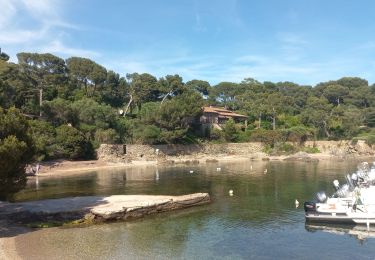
x,y
353,202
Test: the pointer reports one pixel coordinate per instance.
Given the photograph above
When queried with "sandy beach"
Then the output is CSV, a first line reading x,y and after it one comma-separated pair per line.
x,y
66,167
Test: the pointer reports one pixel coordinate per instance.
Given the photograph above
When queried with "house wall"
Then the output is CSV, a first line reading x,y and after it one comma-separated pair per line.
x,y
209,118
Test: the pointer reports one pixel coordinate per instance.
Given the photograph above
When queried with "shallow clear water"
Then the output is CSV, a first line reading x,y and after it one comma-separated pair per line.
x,y
259,221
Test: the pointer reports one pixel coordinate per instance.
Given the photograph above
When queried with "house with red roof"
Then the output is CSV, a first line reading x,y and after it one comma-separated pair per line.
x,y
217,115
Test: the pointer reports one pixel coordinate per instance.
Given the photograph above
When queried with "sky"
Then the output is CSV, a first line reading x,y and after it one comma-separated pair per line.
x,y
306,42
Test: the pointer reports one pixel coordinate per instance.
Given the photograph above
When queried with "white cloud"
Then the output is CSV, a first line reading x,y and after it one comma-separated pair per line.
x,y
7,12
58,47
20,36
42,8
36,25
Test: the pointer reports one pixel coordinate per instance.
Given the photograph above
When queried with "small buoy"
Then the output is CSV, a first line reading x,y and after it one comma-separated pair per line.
x,y
230,192
265,171
297,203
191,171
218,169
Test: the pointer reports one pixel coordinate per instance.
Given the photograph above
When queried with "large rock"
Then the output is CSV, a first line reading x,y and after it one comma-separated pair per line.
x,y
135,206
98,208
301,156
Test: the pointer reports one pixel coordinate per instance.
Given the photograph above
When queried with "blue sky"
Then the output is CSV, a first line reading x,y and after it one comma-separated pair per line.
x,y
224,40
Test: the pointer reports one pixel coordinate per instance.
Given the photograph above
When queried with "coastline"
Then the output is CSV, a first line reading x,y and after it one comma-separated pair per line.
x,y
128,156
66,167
8,243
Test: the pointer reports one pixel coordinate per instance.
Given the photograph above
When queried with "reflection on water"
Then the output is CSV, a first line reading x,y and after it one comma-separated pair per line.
x,y
259,221
361,233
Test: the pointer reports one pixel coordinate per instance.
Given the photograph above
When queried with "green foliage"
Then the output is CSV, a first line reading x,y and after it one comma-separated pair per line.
x,y
288,121
370,118
269,137
148,134
149,113
142,88
309,149
201,86
231,131
298,134
335,94
43,134
87,73
16,151
82,93
216,135
125,129
108,136
284,148
72,144
370,140
367,136
4,56
92,113
60,111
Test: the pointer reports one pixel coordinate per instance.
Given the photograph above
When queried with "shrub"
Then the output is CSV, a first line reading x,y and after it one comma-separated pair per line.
x,y
310,149
149,134
108,136
217,135
72,144
230,131
268,137
16,151
43,135
370,140
298,134
281,148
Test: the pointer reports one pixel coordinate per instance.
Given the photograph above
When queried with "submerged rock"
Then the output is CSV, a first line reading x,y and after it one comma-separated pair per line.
x,y
301,156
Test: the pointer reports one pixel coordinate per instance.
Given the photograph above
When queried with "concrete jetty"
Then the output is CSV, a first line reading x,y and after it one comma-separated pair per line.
x,y
99,208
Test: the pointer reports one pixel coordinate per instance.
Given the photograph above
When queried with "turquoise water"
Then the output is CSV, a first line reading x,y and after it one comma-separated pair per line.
x,y
260,221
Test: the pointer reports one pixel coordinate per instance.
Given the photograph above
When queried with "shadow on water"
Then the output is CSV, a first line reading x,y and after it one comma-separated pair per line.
x,y
359,232
14,217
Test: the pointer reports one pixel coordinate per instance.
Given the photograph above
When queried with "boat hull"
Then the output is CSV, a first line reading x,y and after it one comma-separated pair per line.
x,y
341,218
316,213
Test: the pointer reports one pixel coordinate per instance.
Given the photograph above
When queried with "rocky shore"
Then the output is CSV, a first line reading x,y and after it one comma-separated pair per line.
x,y
97,208
201,153
124,156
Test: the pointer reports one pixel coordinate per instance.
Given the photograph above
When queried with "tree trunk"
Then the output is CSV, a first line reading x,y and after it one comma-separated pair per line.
x,y
93,91
274,119
40,101
325,129
260,120
168,94
85,83
128,105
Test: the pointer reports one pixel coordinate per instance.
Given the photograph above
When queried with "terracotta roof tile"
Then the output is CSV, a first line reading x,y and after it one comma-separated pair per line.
x,y
221,112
